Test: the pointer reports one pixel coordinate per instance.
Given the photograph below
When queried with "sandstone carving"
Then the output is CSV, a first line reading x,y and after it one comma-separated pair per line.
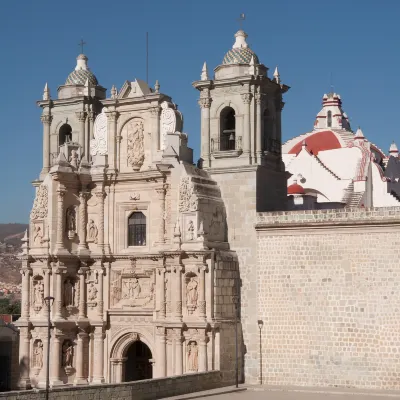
x,y
92,231
74,158
187,198
130,288
98,145
67,354
135,146
37,235
191,295
168,123
38,294
192,358
37,361
190,230
92,292
39,209
134,196
71,222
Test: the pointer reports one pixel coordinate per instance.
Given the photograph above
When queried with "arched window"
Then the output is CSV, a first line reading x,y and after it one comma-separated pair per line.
x,y
64,134
137,229
228,129
329,119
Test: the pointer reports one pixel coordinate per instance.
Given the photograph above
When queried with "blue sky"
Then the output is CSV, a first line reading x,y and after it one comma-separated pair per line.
x,y
357,41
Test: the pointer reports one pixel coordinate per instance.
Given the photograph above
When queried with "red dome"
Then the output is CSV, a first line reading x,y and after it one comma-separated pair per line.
x,y
319,141
295,189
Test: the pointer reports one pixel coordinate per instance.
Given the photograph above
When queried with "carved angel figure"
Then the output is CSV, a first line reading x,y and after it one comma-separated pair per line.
x,y
74,159
193,353
92,231
135,146
38,235
191,230
38,354
92,292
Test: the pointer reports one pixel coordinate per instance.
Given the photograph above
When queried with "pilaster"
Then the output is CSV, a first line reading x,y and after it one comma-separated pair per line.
x,y
246,98
160,295
155,136
82,292
60,249
80,378
55,362
178,351
81,116
177,292
98,368
205,104
161,191
258,147
101,197
161,341
24,358
46,120
112,117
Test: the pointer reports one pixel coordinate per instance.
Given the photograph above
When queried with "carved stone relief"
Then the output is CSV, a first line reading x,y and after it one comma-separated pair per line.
x,y
92,232
135,144
192,357
129,289
187,197
37,359
71,222
67,354
39,209
38,293
74,158
134,196
92,295
37,235
191,293
190,230
168,123
71,293
98,145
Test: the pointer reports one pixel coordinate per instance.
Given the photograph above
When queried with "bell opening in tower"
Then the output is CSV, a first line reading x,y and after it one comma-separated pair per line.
x,y
228,129
64,134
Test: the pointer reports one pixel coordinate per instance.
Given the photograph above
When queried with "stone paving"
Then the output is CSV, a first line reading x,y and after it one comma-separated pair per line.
x,y
289,393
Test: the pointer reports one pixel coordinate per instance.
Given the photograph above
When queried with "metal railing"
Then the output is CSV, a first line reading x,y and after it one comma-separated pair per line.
x,y
226,143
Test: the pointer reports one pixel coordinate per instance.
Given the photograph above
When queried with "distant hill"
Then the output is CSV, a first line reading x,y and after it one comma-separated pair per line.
x,y
12,233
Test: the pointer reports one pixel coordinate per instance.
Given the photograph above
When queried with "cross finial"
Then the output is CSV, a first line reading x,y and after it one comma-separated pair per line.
x,y
242,17
331,83
82,43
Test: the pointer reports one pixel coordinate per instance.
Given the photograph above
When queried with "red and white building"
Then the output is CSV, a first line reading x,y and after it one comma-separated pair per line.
x,y
333,167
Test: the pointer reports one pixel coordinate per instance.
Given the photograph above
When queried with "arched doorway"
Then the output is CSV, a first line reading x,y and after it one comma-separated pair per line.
x,y
138,362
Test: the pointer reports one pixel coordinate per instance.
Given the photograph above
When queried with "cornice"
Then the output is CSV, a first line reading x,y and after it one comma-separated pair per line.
x,y
235,169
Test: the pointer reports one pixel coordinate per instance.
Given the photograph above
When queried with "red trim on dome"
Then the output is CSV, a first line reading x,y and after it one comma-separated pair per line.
x,y
295,189
319,141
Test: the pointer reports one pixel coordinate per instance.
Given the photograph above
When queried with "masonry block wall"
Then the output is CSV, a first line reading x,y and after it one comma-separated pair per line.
x,y
328,290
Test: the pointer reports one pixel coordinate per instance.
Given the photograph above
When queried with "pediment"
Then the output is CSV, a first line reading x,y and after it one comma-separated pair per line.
x,y
137,88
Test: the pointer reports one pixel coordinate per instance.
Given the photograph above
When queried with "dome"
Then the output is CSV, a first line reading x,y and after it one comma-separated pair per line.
x,y
240,52
81,73
295,189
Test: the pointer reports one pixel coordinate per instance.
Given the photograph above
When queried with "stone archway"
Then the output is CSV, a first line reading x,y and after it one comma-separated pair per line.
x,y
129,352
138,364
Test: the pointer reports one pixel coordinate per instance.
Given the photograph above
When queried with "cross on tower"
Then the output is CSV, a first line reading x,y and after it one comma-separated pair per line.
x,y
241,19
81,43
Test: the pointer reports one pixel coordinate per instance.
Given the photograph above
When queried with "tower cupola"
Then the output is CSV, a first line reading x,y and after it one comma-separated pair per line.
x,y
81,73
240,52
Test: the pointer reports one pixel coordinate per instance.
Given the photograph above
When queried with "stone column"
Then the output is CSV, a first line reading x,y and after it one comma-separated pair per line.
x,y
178,352
100,236
80,378
83,196
170,356
59,271
100,305
161,199
155,132
25,293
46,289
55,362
160,295
177,293
60,218
205,104
161,362
24,358
90,136
81,115
112,117
202,355
258,154
46,120
98,369
82,292
246,97
202,293
118,152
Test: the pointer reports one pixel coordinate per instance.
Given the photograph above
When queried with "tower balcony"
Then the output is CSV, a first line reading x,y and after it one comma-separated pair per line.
x,y
226,146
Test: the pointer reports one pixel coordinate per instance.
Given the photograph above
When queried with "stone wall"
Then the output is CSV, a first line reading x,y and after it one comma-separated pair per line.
x,y
328,290
140,390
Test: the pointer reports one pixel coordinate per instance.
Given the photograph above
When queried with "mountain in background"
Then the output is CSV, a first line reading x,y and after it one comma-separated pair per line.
x,y
12,233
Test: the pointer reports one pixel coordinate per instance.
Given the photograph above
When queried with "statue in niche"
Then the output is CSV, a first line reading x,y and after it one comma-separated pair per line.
x,y
191,295
92,232
69,293
92,292
193,355
135,146
131,288
38,293
191,230
74,158
37,354
67,354
71,222
38,235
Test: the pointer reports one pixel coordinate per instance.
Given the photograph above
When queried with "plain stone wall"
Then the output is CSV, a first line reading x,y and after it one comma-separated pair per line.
x,y
141,390
328,289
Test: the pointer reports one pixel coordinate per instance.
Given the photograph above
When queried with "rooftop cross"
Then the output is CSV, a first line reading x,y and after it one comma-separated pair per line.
x,y
331,83
82,43
241,19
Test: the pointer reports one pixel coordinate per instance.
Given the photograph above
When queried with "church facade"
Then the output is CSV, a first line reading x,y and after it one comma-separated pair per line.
x,y
132,240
